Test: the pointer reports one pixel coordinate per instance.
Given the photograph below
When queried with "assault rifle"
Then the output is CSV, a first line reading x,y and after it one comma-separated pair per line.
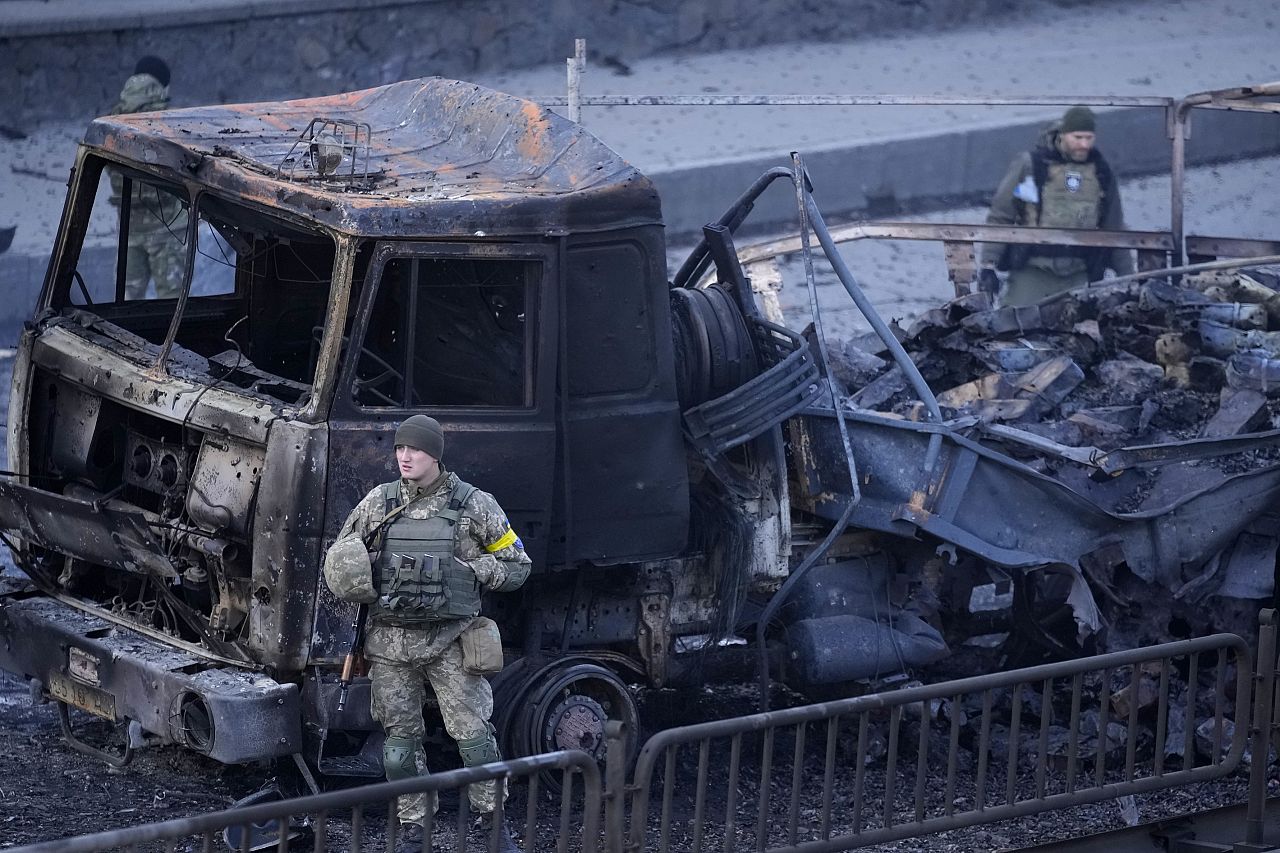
x,y
362,614
353,654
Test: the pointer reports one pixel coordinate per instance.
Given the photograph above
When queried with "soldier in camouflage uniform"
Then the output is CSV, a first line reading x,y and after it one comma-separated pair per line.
x,y
405,657
1065,182
157,220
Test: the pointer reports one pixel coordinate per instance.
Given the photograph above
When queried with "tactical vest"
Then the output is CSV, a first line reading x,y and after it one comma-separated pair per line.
x,y
1072,195
420,579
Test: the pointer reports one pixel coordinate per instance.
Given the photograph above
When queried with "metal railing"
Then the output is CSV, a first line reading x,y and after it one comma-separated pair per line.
x,y
831,776
1030,745
353,818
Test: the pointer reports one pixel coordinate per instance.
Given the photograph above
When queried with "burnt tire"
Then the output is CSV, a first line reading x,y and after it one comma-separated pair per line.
x,y
565,706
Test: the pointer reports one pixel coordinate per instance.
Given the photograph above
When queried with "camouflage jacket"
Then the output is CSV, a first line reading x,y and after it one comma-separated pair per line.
x,y
483,526
153,212
142,93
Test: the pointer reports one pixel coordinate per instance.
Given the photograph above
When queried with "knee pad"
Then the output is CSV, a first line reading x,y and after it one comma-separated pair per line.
x,y
400,758
479,750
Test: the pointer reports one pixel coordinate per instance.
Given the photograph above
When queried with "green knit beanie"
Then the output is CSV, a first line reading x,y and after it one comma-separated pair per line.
x,y
422,432
1077,119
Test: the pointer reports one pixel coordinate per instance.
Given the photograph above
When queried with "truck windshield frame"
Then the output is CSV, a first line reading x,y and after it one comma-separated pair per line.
x,y
249,274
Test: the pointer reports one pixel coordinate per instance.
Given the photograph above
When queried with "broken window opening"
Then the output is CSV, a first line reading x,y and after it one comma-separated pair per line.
x,y
130,263
259,286
258,299
449,331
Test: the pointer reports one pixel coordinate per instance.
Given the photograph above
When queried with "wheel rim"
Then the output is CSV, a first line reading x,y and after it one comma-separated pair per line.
x,y
565,706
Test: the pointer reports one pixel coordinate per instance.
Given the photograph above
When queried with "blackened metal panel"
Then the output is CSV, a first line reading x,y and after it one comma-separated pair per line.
x,y
1011,515
287,526
87,531
624,451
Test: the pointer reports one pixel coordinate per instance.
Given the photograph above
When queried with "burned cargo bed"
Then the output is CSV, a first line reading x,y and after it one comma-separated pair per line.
x,y
1015,517
1119,435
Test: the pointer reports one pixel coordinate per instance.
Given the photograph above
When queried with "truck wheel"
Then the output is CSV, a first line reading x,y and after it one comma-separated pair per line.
x,y
565,706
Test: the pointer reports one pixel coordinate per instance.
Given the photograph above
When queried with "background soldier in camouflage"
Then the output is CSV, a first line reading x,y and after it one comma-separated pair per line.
x,y
404,659
1064,182
157,220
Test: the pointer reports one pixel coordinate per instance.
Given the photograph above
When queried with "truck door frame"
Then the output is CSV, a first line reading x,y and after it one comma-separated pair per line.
x,y
509,451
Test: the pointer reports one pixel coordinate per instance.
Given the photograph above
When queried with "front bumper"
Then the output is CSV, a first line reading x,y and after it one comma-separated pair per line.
x,y
230,714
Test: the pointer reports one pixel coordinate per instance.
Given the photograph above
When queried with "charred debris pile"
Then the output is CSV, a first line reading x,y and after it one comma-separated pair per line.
x,y
1092,370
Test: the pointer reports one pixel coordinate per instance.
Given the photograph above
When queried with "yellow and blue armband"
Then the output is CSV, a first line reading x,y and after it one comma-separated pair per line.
x,y
506,540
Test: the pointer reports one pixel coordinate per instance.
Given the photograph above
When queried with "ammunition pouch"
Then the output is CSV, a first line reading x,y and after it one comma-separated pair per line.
x,y
400,758
479,750
481,647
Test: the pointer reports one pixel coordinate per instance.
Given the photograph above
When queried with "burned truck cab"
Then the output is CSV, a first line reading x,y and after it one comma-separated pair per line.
x,y
242,304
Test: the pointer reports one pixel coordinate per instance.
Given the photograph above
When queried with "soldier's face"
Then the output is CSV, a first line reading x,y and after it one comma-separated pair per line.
x,y
1077,144
415,464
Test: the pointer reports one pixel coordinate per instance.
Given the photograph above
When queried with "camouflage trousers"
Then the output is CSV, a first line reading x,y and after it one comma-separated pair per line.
x,y
1030,284
466,703
155,255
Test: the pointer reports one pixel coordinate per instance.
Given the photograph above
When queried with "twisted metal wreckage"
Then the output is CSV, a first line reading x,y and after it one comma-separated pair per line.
x,y
180,464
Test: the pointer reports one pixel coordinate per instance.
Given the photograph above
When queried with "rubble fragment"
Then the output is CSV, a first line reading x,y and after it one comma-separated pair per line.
x,y
1105,367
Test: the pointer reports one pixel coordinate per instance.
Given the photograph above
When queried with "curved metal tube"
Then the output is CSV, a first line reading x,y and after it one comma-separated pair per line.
x,y
698,259
868,310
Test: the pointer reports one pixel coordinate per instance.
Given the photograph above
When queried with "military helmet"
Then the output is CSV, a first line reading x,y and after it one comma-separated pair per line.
x,y
348,572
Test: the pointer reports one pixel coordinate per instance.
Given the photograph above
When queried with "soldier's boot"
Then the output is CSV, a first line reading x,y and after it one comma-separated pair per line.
x,y
409,838
483,749
506,844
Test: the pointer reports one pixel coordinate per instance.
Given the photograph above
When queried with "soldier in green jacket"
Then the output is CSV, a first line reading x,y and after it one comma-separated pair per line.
x,y
157,220
1065,182
446,543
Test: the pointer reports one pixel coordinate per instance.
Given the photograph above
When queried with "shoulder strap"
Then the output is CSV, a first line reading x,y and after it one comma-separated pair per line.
x,y
1039,174
391,508
458,498
1106,180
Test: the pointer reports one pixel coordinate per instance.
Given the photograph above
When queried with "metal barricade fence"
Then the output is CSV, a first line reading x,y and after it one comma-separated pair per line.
x,y
341,819
926,759
836,775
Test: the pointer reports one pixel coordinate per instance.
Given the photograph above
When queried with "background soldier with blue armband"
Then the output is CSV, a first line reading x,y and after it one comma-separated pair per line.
x,y
435,544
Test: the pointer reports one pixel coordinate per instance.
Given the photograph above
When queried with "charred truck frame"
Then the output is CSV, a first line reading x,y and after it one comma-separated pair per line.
x,y
671,458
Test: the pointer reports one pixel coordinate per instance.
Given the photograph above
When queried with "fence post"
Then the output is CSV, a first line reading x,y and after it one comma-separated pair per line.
x,y
1264,680
575,66
615,785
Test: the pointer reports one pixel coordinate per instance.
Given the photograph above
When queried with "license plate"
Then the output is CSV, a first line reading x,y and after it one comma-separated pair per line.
x,y
97,702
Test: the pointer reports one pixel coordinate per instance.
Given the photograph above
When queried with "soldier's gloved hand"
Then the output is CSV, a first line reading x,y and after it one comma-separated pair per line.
x,y
988,282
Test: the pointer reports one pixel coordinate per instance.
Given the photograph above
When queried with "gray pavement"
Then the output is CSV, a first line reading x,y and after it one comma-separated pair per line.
x,y
701,157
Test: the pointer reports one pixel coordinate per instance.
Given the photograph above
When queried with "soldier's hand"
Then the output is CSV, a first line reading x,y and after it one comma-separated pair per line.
x,y
988,282
481,568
